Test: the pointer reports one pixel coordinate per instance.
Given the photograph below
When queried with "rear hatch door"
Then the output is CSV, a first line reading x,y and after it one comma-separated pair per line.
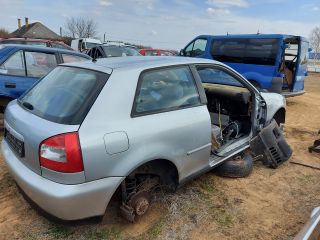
x,y
56,104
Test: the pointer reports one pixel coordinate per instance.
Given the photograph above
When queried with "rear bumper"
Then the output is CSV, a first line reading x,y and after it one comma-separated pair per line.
x,y
67,202
292,94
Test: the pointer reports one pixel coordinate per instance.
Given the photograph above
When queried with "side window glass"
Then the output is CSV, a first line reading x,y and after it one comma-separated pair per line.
x,y
217,76
188,50
166,90
39,64
199,47
72,58
165,53
14,65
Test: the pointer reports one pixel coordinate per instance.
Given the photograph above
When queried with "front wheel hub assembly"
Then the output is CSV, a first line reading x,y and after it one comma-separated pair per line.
x,y
140,202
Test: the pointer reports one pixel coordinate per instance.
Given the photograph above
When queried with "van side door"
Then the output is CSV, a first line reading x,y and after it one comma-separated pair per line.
x,y
301,71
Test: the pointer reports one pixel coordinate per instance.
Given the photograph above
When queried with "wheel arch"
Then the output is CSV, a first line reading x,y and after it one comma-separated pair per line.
x,y
164,168
280,115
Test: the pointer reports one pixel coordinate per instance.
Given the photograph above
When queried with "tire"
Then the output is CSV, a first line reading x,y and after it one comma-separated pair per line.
x,y
240,166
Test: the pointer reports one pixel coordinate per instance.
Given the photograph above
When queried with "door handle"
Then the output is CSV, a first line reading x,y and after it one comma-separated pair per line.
x,y
10,85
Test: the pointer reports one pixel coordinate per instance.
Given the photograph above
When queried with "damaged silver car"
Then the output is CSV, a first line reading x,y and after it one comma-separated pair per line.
x,y
88,129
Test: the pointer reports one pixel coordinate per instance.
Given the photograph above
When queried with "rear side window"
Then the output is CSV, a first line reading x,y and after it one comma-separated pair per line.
x,y
151,53
72,58
65,95
165,53
14,65
39,64
248,51
165,90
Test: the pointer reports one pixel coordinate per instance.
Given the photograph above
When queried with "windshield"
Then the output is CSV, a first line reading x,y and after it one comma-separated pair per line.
x,y
65,95
115,51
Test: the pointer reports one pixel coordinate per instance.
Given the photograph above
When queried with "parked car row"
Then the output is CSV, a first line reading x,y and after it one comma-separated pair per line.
x,y
36,42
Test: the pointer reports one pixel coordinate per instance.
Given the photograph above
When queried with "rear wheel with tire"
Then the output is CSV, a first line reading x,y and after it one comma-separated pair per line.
x,y
239,166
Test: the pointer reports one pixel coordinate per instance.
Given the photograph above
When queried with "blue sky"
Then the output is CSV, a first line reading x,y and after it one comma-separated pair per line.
x,y
169,23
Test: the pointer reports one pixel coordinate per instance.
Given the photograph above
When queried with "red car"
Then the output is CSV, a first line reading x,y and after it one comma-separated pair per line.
x,y
36,42
156,52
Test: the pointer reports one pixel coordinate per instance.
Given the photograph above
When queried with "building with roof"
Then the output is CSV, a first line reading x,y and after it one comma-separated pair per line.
x,y
34,30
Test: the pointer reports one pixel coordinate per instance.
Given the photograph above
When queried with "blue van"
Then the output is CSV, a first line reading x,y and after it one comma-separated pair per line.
x,y
22,65
274,62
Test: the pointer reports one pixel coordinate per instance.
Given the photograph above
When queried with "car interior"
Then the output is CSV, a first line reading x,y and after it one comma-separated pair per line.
x,y
229,105
289,61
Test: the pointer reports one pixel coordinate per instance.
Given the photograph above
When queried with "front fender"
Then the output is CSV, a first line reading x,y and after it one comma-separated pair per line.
x,y
274,102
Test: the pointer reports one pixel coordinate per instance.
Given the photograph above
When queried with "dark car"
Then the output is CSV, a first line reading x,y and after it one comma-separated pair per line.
x,y
36,42
106,51
156,52
22,65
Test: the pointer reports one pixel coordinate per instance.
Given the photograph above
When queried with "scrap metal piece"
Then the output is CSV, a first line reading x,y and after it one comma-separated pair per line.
x,y
314,147
272,144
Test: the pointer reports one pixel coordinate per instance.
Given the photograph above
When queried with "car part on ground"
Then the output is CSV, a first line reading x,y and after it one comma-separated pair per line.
x,y
271,143
237,167
315,146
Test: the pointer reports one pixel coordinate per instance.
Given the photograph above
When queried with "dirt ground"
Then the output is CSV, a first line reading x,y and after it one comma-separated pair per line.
x,y
269,204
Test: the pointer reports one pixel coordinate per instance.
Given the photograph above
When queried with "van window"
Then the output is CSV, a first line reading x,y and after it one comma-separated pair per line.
x,y
65,95
39,64
196,48
165,90
248,51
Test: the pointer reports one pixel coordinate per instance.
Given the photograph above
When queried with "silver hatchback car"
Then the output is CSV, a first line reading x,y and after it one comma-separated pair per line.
x,y
90,128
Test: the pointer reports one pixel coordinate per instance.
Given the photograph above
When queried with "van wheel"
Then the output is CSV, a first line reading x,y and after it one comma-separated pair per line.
x,y
239,166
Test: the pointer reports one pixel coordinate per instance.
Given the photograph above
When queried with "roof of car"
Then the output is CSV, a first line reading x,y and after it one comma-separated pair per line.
x,y
136,62
43,49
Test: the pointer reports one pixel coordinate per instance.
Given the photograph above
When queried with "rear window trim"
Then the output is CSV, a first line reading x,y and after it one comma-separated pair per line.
x,y
85,113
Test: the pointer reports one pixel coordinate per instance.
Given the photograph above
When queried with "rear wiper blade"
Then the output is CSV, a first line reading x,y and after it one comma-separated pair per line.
x,y
28,105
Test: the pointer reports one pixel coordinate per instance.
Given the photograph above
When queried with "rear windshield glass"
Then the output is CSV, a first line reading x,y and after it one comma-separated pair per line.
x,y
248,51
65,95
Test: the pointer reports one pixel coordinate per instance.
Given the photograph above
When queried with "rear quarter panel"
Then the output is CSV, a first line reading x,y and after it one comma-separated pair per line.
x,y
168,135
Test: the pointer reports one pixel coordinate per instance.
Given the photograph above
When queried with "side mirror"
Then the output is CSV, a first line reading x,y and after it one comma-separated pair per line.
x,y
309,49
182,52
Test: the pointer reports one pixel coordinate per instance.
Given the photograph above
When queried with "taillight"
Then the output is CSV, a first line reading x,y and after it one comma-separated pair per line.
x,y
62,153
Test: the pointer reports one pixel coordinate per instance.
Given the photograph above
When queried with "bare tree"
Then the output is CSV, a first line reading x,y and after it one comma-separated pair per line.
x,y
315,39
81,27
4,33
